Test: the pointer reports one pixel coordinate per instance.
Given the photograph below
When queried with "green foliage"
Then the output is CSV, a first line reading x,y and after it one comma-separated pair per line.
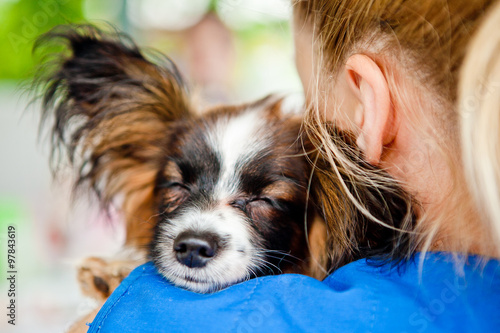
x,y
21,22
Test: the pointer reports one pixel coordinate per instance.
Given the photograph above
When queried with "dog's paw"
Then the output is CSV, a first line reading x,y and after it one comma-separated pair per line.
x,y
99,277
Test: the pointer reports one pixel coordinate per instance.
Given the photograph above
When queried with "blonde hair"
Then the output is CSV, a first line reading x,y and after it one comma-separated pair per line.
x,y
425,39
479,103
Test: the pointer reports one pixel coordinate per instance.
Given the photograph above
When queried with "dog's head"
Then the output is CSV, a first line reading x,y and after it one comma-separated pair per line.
x,y
232,196
218,197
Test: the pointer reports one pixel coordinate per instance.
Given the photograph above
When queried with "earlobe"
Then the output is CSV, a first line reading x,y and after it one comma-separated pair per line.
x,y
374,116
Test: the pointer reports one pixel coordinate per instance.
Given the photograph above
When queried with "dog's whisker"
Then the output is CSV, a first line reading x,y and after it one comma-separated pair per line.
x,y
286,254
268,265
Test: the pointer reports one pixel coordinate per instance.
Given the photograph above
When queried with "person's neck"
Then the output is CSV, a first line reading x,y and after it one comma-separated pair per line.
x,y
450,222
448,217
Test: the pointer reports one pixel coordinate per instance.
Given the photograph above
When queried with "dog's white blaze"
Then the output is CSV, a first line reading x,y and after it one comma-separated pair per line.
x,y
237,140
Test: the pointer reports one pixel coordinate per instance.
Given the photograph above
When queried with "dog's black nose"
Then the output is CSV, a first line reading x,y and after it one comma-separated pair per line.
x,y
195,250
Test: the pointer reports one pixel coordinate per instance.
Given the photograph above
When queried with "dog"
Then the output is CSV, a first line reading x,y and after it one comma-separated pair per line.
x,y
213,198
216,198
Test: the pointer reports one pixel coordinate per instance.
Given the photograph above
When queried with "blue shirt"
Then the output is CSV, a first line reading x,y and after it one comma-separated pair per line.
x,y
358,297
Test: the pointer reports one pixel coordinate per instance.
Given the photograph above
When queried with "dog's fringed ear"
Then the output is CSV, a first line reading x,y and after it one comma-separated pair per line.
x,y
111,109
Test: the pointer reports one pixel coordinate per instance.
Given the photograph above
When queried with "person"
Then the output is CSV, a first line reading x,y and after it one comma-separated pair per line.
x,y
392,78
393,73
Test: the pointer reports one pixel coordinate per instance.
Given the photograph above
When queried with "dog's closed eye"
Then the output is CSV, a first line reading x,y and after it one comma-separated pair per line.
x,y
174,194
256,207
173,190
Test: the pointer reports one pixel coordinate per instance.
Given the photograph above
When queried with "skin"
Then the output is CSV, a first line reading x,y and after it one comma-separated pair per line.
x,y
361,94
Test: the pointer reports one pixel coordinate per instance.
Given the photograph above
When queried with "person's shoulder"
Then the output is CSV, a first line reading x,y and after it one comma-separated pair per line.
x,y
432,292
360,296
282,303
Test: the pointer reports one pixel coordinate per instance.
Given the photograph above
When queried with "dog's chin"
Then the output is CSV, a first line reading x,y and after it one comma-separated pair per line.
x,y
202,287
202,280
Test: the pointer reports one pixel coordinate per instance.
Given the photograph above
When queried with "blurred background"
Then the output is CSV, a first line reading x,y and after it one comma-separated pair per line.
x,y
229,50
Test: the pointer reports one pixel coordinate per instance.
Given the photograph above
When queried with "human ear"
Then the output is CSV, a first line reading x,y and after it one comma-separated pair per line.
x,y
374,115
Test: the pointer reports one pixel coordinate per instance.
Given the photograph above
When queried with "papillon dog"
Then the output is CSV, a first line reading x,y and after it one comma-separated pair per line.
x,y
215,197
